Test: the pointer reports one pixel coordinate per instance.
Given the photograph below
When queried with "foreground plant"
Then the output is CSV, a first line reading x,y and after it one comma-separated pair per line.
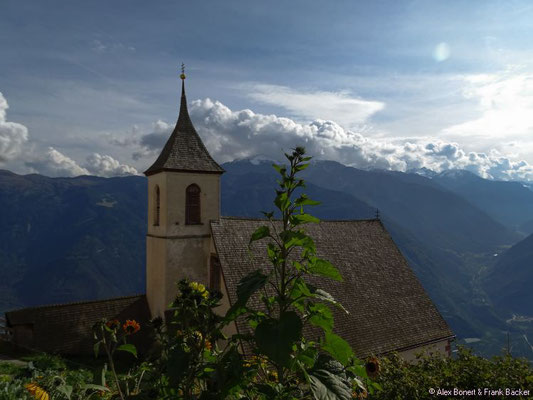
x,y
188,353
324,369
465,370
112,336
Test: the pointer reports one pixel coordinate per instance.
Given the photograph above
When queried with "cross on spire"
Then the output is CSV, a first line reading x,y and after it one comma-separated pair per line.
x,y
182,76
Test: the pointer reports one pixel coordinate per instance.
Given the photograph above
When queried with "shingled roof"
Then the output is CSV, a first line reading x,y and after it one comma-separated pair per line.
x,y
67,328
388,308
184,150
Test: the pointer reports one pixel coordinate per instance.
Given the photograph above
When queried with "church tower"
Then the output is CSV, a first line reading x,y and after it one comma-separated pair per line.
x,y
183,196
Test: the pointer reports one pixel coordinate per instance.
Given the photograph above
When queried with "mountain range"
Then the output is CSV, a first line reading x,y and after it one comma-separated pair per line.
x,y
68,239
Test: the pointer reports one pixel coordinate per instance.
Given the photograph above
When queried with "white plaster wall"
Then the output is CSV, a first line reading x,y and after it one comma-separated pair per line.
x,y
437,347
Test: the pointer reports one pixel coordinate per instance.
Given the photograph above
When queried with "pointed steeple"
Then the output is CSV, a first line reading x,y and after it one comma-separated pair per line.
x,y
184,150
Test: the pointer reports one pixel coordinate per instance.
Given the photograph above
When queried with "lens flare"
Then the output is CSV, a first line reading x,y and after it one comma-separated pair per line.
x,y
441,52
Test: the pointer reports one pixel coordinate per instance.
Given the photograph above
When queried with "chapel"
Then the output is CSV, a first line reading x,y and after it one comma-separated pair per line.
x,y
388,309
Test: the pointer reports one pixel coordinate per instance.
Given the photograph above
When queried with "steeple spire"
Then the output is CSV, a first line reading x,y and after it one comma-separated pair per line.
x,y
184,150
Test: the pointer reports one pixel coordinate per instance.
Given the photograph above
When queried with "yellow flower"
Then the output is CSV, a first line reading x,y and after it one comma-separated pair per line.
x,y
200,288
36,391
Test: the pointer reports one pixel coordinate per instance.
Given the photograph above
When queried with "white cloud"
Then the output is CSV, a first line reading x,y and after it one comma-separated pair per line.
x,y
341,107
53,163
504,102
104,165
231,135
13,136
18,152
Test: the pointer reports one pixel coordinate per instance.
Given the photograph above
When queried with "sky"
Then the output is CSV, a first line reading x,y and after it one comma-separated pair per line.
x,y
93,87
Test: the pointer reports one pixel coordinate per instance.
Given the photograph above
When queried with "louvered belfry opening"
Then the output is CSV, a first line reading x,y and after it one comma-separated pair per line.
x,y
215,273
192,205
157,210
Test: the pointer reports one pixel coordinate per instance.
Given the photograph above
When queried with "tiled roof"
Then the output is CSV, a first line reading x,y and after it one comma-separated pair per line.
x,y
184,150
388,308
67,328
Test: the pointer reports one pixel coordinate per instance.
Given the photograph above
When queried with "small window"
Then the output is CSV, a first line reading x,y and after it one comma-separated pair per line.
x,y
157,205
215,274
192,205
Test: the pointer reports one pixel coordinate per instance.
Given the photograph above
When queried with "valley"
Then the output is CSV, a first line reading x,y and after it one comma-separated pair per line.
x,y
72,239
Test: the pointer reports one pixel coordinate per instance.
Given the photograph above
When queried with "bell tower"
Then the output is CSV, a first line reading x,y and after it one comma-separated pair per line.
x,y
183,196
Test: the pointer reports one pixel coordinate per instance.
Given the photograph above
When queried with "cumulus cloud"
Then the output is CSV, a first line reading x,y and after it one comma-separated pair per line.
x,y
342,107
16,149
104,165
13,136
54,163
230,135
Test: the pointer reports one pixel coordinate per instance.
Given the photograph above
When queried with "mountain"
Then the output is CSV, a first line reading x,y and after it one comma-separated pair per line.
x,y
69,239
66,239
433,243
510,203
433,214
511,281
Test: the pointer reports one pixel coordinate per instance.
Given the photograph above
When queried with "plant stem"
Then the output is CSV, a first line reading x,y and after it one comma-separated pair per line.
x,y
112,364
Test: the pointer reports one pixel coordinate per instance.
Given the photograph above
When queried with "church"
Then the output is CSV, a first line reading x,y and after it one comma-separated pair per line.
x,y
388,309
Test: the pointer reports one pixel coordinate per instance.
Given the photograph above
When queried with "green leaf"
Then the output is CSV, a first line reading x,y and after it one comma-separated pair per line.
x,y
128,348
248,285
338,348
260,233
321,316
282,201
268,215
324,268
327,386
308,357
273,252
275,337
300,288
299,219
280,168
301,167
303,200
296,238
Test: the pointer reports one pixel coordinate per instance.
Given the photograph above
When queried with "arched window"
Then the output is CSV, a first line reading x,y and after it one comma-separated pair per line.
x,y
192,205
215,274
157,205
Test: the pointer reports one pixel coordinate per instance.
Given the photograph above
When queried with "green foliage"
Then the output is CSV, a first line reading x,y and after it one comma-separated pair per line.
x,y
400,380
289,304
53,381
111,336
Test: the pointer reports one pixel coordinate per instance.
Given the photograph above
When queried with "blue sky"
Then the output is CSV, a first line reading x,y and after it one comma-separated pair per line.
x,y
93,87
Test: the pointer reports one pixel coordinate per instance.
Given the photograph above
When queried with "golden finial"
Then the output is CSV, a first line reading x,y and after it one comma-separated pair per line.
x,y
182,76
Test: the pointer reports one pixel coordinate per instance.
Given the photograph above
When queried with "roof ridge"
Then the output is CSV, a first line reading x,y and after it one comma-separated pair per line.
x,y
75,303
228,217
